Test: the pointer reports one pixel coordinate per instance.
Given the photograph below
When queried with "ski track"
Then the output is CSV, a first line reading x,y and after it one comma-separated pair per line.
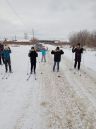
x,y
56,100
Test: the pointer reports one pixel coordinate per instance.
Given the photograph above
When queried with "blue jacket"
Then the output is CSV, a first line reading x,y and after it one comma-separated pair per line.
x,y
6,54
43,52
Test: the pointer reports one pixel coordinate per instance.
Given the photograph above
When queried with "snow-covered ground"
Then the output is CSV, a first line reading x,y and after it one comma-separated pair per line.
x,y
62,100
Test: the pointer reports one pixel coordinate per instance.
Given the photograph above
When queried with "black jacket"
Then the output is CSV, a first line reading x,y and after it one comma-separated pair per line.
x,y
57,55
78,53
1,47
33,55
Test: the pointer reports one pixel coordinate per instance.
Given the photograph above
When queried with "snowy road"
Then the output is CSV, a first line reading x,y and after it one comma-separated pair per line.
x,y
62,100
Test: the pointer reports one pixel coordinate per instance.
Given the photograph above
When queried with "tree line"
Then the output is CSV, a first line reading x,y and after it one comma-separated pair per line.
x,y
85,38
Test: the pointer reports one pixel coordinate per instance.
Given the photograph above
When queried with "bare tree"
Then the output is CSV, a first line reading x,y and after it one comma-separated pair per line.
x,y
84,37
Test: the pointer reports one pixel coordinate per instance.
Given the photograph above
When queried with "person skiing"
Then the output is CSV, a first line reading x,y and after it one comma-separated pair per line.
x,y
33,54
7,59
57,57
1,53
78,50
43,51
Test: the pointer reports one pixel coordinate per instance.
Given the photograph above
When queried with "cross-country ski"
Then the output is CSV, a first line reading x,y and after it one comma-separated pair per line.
x,y
29,76
4,75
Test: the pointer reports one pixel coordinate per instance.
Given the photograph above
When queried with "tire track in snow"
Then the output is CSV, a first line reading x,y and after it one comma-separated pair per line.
x,y
87,101
83,99
85,83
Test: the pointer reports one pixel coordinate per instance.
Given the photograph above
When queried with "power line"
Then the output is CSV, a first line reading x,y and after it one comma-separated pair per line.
x,y
14,11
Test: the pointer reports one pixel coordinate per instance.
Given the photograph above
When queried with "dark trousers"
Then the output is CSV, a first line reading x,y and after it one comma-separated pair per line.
x,y
75,64
33,66
1,60
8,64
55,65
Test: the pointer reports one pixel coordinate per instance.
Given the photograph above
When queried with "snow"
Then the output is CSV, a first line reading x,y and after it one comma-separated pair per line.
x,y
62,100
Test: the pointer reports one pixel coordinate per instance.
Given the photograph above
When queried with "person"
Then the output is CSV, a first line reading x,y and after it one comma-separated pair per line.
x,y
57,57
7,59
43,51
33,54
78,50
1,54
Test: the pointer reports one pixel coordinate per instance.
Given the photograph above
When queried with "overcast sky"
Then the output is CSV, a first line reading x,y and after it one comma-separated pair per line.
x,y
50,19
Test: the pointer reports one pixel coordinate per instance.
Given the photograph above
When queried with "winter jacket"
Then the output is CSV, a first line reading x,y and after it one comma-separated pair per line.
x,y
6,54
43,51
1,48
57,55
33,54
78,53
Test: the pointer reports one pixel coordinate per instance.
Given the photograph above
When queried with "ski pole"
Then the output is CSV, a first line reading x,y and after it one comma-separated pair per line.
x,y
83,54
72,60
28,67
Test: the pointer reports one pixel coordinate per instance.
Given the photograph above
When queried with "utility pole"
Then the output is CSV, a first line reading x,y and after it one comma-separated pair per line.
x,y
25,36
15,38
34,40
33,33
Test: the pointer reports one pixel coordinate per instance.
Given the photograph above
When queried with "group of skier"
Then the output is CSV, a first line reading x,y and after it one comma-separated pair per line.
x,y
78,50
5,52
